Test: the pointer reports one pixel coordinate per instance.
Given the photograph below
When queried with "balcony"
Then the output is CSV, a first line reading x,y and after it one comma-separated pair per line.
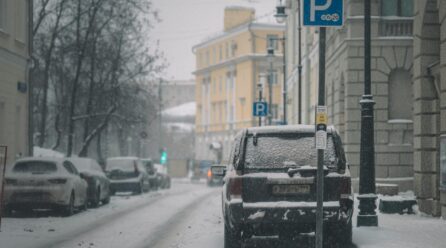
x,y
396,27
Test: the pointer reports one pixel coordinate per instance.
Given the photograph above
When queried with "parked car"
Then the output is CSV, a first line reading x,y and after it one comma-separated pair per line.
x,y
154,177
127,174
45,183
215,175
270,187
163,177
98,184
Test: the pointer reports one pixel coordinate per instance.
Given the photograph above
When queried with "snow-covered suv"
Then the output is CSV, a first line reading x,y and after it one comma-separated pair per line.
x,y
270,187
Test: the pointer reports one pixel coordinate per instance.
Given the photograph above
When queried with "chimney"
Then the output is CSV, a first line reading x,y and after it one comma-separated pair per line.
x,y
236,16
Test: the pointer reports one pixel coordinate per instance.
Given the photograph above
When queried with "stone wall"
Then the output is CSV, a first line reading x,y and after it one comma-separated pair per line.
x,y
430,102
345,87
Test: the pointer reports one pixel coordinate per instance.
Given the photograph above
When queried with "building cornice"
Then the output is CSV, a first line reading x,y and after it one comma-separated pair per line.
x,y
238,30
234,61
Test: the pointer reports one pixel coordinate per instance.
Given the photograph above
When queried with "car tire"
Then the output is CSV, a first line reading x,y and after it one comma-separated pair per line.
x,y
97,198
232,238
7,211
106,200
69,209
345,235
139,189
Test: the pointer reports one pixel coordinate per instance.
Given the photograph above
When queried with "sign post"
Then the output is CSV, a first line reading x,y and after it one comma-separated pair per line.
x,y
3,157
322,14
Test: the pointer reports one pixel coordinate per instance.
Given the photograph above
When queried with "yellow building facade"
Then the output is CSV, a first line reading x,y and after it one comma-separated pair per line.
x,y
227,77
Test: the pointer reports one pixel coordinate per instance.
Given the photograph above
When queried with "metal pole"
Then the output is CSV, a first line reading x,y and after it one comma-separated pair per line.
x,y
260,99
299,66
5,148
160,120
320,152
270,92
284,92
367,198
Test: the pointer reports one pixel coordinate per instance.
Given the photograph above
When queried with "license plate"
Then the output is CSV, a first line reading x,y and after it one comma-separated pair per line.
x,y
290,189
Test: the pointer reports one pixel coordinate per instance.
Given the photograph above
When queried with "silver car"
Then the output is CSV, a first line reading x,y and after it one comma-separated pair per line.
x,y
127,174
45,183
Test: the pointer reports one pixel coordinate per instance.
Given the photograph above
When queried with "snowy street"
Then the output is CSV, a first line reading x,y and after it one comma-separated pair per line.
x,y
187,216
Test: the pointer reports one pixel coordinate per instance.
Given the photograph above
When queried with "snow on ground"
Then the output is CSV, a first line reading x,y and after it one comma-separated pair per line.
x,y
203,228
187,216
122,223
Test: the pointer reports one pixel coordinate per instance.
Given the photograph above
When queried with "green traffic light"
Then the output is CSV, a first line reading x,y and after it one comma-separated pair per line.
x,y
163,158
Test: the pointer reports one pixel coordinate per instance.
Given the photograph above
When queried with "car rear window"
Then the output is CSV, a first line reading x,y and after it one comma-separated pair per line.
x,y
285,151
121,164
35,167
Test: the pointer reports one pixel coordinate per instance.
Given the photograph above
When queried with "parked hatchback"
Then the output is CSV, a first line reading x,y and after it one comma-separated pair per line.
x,y
270,187
98,183
45,183
127,174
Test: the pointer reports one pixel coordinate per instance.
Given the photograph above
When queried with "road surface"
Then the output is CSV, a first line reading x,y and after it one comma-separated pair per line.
x,y
186,216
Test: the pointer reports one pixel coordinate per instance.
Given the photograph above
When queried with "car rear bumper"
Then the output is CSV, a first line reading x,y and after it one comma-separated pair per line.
x,y
36,197
117,186
274,218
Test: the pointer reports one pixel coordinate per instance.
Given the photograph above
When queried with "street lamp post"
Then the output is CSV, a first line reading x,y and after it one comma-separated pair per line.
x,y
260,86
281,18
270,83
367,198
299,66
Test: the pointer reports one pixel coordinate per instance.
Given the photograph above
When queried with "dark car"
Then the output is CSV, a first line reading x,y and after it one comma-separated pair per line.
x,y
215,175
98,184
154,177
127,174
270,187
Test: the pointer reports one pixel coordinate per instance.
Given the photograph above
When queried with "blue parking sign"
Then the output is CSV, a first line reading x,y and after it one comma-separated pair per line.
x,y
260,109
323,13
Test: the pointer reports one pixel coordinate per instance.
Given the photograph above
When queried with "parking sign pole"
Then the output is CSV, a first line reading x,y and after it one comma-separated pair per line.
x,y
320,152
4,157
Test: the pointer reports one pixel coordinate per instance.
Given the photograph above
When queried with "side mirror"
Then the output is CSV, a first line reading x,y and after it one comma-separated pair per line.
x,y
82,175
218,170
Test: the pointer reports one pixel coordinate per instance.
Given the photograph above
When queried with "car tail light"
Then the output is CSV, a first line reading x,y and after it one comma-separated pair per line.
x,y
57,181
345,193
235,187
10,181
209,173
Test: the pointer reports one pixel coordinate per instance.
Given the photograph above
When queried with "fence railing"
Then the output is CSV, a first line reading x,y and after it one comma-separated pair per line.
x,y
398,26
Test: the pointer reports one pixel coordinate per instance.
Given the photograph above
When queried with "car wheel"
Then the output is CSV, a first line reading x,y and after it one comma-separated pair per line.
x,y
344,236
106,200
232,238
139,189
7,211
97,198
69,209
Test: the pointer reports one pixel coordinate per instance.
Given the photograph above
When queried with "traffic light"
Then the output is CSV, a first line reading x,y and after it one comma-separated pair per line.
x,y
163,156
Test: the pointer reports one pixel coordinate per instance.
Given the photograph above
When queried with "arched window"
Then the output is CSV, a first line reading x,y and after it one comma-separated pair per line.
x,y
400,95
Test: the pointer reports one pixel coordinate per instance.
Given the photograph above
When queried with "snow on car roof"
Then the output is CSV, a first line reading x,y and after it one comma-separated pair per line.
x,y
48,159
286,129
122,158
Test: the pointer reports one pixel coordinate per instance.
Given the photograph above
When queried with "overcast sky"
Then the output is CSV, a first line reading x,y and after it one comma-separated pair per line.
x,y
187,22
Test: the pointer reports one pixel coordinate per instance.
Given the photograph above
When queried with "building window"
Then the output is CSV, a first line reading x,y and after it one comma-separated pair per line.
x,y
275,111
272,41
402,8
221,53
207,58
400,95
274,76
20,20
227,50
3,14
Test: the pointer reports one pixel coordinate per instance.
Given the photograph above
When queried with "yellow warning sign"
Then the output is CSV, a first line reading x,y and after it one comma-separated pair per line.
x,y
321,115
